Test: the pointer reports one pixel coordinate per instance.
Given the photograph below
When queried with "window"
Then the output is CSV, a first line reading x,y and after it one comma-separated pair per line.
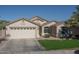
x,y
27,28
30,28
22,28
46,29
11,27
33,27
15,28
18,28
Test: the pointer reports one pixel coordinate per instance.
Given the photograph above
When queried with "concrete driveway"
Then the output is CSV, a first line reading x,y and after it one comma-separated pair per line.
x,y
27,46
15,46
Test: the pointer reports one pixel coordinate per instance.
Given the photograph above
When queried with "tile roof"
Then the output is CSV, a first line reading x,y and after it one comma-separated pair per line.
x,y
21,19
38,18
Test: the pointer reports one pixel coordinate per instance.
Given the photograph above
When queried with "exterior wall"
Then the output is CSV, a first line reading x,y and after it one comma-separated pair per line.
x,y
2,34
43,31
53,30
50,24
37,32
39,22
59,28
22,23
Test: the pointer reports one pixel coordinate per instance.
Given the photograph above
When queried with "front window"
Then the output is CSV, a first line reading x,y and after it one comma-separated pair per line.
x,y
33,27
46,29
22,28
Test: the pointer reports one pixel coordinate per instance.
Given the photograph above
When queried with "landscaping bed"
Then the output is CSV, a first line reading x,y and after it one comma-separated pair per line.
x,y
59,44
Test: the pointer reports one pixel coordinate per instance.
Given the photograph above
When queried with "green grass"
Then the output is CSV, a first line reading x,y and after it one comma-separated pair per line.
x,y
59,44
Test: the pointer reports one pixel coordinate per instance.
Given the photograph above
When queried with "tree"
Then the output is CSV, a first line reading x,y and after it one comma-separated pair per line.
x,y
65,33
73,23
74,20
3,24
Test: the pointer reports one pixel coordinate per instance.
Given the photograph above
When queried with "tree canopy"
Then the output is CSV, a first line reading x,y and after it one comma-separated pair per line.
x,y
3,24
74,20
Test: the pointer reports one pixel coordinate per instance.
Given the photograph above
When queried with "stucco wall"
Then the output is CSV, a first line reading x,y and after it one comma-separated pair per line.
x,y
2,34
39,22
59,28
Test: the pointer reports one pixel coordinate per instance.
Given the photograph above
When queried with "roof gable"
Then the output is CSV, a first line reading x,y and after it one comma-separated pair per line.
x,y
38,18
50,23
24,19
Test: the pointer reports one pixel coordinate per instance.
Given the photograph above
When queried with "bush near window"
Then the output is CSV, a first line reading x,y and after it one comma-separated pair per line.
x,y
46,35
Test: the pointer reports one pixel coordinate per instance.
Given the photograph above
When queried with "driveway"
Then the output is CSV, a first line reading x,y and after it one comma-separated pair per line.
x,y
27,46
15,46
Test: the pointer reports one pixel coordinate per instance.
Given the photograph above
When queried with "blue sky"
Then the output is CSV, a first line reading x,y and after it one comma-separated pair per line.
x,y
49,12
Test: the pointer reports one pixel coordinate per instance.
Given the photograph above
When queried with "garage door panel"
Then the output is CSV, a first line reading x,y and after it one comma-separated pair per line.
x,y
22,34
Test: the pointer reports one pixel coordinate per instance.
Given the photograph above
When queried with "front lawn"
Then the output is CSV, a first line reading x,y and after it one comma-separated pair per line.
x,y
59,44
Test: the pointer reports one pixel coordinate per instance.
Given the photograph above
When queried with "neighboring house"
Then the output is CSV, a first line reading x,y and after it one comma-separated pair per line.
x,y
34,28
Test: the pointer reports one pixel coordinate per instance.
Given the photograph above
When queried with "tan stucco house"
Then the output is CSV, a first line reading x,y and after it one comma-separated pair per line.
x,y
36,27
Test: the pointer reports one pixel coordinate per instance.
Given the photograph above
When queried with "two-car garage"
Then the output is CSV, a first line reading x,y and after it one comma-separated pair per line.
x,y
22,29
21,32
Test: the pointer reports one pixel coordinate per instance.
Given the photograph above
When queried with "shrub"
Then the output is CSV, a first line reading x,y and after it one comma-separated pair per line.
x,y
46,35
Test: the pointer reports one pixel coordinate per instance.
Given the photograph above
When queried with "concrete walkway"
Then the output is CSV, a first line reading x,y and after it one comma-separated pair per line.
x,y
52,52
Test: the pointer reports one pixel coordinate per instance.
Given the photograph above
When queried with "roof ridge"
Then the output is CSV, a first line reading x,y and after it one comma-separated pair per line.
x,y
40,18
22,19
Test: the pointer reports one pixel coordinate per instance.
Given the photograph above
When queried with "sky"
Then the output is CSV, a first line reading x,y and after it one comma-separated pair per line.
x,y
48,12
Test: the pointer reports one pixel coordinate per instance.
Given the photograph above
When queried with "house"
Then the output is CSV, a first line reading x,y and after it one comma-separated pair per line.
x,y
22,29
35,28
52,28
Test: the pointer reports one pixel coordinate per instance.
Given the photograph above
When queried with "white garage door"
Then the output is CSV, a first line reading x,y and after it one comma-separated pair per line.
x,y
22,32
